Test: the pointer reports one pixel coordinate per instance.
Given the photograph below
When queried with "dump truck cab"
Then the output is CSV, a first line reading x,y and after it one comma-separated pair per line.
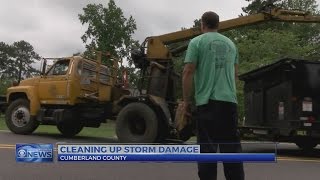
x,y
73,93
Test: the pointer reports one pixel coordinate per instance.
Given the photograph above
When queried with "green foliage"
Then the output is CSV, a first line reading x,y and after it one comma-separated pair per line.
x,y
4,85
24,56
197,23
16,61
5,51
77,54
265,43
256,6
108,29
106,130
260,48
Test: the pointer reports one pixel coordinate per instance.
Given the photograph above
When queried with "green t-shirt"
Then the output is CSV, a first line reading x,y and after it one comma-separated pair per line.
x,y
214,56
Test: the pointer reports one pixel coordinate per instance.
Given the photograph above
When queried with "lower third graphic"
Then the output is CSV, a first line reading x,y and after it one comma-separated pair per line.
x,y
34,152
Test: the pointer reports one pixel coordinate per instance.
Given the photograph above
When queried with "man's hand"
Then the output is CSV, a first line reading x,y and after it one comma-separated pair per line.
x,y
186,108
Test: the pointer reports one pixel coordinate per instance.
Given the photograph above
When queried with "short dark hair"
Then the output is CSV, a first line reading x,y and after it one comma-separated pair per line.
x,y
210,20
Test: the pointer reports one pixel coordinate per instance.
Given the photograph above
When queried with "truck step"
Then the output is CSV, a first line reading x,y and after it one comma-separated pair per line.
x,y
48,119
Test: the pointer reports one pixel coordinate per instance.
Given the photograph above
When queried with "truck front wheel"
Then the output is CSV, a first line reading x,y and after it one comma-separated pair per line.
x,y
19,119
69,129
137,123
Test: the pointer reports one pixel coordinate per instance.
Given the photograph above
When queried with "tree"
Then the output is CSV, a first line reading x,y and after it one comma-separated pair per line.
x,y
265,43
5,52
256,6
277,39
77,54
24,57
108,29
17,60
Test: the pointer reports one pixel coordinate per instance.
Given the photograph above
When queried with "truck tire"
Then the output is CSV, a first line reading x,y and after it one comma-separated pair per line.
x,y
137,123
18,118
69,129
306,145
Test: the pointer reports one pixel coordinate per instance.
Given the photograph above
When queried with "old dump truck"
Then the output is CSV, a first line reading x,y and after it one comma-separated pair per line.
x,y
151,117
282,102
75,92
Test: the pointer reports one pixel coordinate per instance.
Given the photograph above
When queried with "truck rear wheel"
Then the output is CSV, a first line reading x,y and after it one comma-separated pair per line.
x,y
69,129
137,123
306,145
19,119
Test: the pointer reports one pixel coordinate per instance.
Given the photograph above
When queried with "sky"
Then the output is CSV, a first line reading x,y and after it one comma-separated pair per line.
x,y
54,30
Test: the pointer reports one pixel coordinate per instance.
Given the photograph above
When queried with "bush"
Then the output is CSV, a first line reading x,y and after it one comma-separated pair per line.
x,y
4,85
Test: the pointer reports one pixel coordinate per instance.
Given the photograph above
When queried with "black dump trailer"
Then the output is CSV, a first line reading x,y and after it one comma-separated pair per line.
x,y
282,102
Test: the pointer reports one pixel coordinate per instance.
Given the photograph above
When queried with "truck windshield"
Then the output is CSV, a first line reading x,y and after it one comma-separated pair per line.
x,y
59,68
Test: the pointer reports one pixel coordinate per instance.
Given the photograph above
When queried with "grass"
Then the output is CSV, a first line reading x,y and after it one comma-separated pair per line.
x,y
106,130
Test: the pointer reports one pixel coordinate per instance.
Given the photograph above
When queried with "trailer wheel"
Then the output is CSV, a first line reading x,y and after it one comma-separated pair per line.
x,y
69,129
19,119
306,145
137,123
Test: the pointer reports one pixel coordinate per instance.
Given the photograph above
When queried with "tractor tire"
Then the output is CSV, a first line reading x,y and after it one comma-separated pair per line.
x,y
18,118
137,123
69,129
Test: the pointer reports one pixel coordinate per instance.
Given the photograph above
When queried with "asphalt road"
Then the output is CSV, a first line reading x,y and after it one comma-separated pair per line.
x,y
292,164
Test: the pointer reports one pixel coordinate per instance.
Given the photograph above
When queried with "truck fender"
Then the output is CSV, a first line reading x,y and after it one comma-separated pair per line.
x,y
29,92
161,102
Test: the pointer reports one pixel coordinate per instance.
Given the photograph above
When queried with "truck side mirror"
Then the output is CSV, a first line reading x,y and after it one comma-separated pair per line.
x,y
44,65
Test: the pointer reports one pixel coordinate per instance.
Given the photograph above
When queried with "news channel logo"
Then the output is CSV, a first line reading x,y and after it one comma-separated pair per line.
x,y
34,153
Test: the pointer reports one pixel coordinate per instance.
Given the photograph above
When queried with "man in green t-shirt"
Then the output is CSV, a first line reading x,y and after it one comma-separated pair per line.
x,y
211,65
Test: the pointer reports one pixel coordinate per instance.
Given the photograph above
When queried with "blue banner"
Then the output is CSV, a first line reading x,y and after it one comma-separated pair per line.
x,y
34,152
205,157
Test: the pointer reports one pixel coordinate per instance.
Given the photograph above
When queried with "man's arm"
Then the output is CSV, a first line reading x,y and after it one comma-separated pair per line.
x,y
187,81
190,61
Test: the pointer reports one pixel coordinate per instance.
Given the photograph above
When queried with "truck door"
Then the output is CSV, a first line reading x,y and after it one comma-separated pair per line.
x,y
53,87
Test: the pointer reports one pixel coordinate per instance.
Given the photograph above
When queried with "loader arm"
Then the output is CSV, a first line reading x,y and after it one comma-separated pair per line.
x,y
157,45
